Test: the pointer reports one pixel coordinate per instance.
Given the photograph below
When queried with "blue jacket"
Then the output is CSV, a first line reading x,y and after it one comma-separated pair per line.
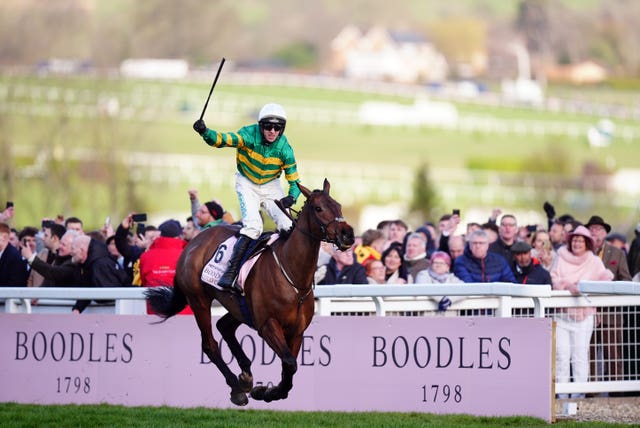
x,y
493,268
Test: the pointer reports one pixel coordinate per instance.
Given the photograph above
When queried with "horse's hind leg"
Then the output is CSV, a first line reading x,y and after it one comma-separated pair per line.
x,y
274,336
227,325
202,312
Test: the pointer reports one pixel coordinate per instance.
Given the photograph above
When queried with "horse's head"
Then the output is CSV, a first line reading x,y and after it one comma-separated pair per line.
x,y
328,224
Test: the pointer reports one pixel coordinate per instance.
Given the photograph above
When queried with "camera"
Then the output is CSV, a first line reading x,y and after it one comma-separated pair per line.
x,y
9,204
139,217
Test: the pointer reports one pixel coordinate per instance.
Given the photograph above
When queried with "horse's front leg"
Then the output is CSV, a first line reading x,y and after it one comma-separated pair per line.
x,y
210,347
227,325
273,334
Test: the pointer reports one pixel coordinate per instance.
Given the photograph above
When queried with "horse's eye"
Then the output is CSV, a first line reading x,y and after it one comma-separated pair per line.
x,y
318,209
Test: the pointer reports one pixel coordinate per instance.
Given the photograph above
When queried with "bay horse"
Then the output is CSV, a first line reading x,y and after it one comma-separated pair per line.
x,y
278,293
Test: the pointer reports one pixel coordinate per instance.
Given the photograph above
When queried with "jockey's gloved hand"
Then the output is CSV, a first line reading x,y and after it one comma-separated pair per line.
x,y
549,210
287,201
199,126
444,304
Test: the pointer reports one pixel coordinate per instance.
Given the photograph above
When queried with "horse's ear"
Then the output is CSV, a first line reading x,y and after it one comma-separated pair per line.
x,y
306,192
326,186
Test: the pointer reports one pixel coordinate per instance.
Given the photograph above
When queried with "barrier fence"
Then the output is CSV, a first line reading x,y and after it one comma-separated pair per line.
x,y
614,359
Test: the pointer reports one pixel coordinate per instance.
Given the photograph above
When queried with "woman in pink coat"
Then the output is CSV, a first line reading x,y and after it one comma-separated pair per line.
x,y
574,326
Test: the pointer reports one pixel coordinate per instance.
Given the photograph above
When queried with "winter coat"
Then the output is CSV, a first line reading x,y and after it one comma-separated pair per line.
x,y
350,274
532,274
493,268
14,271
158,265
568,269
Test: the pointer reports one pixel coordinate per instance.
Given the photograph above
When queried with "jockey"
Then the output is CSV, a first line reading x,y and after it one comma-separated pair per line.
x,y
262,154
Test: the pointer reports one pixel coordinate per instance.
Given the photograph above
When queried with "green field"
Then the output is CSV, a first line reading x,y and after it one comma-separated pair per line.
x,y
17,415
67,154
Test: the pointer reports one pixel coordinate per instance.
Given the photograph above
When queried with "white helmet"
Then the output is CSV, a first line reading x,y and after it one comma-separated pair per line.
x,y
272,111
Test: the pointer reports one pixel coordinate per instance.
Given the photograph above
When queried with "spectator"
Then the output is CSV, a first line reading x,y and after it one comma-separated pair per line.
x,y
74,223
61,272
478,264
375,271
557,235
492,230
395,268
13,268
263,153
427,233
634,252
507,236
398,229
447,226
113,250
542,249
371,247
609,335
438,273
52,235
158,263
342,269
526,268
27,236
131,252
98,266
209,215
189,231
456,248
576,261
415,255
618,240
13,239
613,258
195,206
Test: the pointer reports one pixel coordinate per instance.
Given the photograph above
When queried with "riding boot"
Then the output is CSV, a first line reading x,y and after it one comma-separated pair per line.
x,y
228,279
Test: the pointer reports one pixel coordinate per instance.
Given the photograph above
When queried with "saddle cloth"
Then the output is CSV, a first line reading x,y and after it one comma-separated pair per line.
x,y
216,267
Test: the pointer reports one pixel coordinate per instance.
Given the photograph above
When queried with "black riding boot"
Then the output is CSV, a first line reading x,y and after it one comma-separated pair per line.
x,y
228,279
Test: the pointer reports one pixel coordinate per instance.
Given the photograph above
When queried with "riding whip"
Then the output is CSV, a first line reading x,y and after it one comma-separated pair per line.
x,y
212,86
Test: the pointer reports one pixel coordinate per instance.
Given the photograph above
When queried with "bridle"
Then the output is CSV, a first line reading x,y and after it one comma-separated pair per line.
x,y
324,227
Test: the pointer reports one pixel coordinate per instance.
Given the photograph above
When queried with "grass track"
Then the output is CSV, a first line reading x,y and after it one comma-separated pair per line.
x,y
22,415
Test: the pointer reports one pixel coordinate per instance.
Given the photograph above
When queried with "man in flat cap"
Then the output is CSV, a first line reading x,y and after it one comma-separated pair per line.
x,y
526,268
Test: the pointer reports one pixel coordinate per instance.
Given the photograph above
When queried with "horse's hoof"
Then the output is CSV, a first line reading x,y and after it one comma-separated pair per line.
x,y
246,381
258,392
239,399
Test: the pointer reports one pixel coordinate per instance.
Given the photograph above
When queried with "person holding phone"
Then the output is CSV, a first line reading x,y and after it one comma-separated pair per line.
x,y
263,154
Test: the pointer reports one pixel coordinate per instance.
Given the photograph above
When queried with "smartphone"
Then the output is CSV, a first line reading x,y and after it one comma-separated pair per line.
x,y
140,229
456,211
107,221
46,223
532,228
9,204
139,217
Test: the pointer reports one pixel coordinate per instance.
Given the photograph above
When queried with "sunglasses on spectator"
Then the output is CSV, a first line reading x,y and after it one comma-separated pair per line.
x,y
272,127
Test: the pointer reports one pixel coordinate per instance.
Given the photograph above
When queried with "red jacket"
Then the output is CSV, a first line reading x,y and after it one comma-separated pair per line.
x,y
158,265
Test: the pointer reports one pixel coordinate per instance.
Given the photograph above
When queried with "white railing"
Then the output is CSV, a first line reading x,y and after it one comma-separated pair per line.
x,y
490,299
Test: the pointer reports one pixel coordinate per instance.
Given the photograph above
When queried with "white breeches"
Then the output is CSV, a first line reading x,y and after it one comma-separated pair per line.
x,y
253,196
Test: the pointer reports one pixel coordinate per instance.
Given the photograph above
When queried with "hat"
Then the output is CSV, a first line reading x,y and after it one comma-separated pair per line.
x,y
520,247
596,219
215,209
616,236
441,255
170,229
582,231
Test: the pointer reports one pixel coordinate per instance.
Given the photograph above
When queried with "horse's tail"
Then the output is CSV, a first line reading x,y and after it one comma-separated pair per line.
x,y
165,301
